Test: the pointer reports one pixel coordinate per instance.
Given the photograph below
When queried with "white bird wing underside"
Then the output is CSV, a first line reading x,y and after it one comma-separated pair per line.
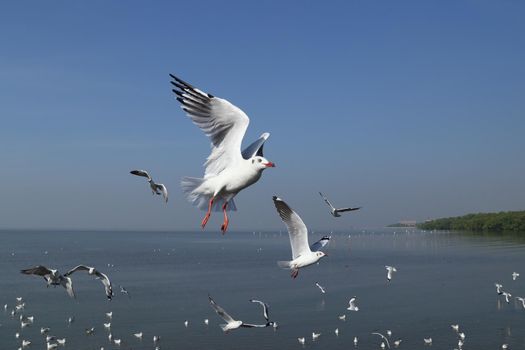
x,y
220,311
296,228
224,123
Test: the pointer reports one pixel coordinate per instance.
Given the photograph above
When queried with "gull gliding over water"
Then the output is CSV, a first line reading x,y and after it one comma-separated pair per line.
x,y
156,189
302,256
99,275
230,324
390,270
52,277
335,211
228,170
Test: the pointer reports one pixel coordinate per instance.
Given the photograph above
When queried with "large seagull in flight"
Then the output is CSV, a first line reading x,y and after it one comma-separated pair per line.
x,y
227,169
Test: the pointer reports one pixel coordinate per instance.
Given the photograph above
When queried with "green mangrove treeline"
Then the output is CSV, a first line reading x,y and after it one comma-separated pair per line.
x,y
502,221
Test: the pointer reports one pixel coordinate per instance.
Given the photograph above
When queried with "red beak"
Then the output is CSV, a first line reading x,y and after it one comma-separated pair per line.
x,y
270,165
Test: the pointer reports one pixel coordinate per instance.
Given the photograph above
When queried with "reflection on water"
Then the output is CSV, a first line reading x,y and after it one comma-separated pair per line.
x,y
442,279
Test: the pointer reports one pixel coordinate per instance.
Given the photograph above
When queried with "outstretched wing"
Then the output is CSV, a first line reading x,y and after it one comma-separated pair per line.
x,y
256,148
296,228
265,308
164,191
37,270
220,311
341,210
106,282
327,201
224,123
320,243
67,283
249,325
142,173
77,268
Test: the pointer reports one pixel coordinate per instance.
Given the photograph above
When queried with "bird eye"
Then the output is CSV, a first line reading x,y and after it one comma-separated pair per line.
x,y
259,160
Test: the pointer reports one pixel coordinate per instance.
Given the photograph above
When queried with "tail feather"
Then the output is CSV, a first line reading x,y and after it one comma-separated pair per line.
x,y
224,327
284,264
201,200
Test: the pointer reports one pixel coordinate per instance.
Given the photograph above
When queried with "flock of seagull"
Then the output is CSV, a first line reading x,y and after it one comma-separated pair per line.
x,y
228,170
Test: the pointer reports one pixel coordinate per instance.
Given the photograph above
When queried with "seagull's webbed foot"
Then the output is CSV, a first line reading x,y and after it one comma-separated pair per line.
x,y
295,273
208,213
225,223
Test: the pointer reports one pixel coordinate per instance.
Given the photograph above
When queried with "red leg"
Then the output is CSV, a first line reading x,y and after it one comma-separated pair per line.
x,y
207,217
295,273
224,226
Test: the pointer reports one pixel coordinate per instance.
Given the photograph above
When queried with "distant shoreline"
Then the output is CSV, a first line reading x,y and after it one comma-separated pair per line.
x,y
495,222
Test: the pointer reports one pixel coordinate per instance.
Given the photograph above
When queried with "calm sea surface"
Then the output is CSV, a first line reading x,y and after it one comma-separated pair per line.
x,y
442,278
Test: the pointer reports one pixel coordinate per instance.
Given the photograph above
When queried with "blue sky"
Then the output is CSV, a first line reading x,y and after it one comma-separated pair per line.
x,y
410,109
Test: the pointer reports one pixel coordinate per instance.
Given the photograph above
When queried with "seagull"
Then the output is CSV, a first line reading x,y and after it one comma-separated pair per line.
x,y
301,340
107,325
455,327
428,341
301,254
50,338
71,319
266,309
351,305
25,343
320,244
228,170
342,317
156,338
315,335
230,324
90,331
498,288
99,275
186,323
522,301
515,275
462,336
156,188
335,212
44,330
384,338
206,321
507,296
397,343
51,346
336,331
389,333
138,335
124,291
117,341
61,341
320,287
52,277
109,315
390,270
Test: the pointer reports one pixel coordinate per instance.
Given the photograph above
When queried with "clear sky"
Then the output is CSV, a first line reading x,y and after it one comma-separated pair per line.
x,y
411,109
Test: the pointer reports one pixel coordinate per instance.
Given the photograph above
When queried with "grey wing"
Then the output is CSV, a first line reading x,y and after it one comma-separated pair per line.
x,y
256,148
77,268
265,308
142,173
249,325
326,201
220,311
37,270
106,282
320,244
347,209
296,228
67,283
164,191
